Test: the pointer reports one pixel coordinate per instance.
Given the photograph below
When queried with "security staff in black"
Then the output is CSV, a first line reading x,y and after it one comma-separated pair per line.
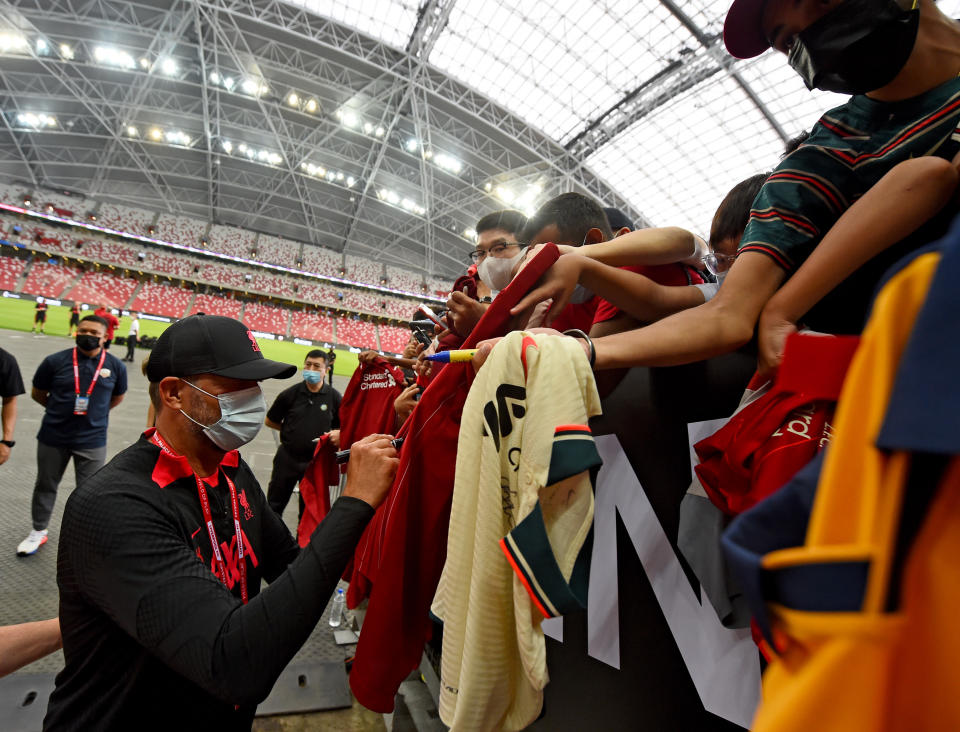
x,y
162,553
301,413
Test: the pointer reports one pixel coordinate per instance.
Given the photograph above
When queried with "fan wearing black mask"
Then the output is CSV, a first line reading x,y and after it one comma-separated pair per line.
x,y
77,389
901,63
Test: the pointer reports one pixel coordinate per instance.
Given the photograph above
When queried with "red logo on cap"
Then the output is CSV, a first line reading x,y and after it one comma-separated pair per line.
x,y
253,341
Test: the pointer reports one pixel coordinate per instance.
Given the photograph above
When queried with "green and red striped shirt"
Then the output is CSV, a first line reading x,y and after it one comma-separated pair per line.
x,y
849,149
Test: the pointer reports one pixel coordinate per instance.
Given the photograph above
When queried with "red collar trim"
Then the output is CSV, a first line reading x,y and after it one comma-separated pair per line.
x,y
171,467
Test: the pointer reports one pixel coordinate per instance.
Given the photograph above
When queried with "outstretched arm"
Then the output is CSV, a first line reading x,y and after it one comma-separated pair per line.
x,y
647,247
898,204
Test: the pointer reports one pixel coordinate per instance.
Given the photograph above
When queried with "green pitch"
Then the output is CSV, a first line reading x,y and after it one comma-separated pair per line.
x,y
18,315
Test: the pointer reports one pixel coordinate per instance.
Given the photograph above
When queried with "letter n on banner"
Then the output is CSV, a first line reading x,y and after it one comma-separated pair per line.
x,y
723,663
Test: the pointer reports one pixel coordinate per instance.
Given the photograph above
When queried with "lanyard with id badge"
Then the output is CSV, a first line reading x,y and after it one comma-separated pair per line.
x,y
82,402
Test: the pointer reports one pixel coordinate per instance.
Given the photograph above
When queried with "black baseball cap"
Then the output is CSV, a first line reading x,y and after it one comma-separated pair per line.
x,y
212,344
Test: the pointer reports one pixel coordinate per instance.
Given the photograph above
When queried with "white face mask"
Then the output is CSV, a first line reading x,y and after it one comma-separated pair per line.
x,y
241,417
497,271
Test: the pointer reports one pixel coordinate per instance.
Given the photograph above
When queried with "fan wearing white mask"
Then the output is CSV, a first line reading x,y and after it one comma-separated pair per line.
x,y
495,256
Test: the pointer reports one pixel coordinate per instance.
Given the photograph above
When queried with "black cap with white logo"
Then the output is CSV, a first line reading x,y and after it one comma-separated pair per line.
x,y
212,344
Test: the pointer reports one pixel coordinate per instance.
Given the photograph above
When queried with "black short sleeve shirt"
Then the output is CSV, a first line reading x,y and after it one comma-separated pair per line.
x,y
304,415
11,382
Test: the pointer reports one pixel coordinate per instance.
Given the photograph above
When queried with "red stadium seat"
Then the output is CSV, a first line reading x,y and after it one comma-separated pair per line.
x,y
312,325
266,318
393,338
216,305
49,280
102,287
10,270
402,279
124,218
160,299
275,250
180,230
321,261
361,269
357,333
231,240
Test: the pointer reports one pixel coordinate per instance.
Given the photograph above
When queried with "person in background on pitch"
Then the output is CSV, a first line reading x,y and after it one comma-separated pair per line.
x,y
77,388
163,552
110,319
40,315
11,386
301,413
74,319
133,336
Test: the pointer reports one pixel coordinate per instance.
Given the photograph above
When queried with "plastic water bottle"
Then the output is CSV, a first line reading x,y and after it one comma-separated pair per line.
x,y
336,610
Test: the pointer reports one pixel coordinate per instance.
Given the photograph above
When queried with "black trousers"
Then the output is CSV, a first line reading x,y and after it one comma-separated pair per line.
x,y
287,472
131,346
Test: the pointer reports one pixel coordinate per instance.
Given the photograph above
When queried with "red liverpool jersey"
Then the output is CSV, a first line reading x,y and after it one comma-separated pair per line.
x,y
403,549
367,406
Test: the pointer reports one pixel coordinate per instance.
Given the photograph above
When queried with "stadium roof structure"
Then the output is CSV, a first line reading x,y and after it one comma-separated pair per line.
x,y
386,128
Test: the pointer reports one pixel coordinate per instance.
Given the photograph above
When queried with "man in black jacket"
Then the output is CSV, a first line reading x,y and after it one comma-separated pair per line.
x,y
163,551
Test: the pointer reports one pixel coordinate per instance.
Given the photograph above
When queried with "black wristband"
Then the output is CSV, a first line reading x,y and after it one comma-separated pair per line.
x,y
8,443
576,333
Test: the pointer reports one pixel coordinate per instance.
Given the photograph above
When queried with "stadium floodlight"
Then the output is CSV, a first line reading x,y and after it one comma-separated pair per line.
x,y
448,163
132,131
351,181
13,42
349,119
169,67
339,175
368,128
311,105
156,134
228,83
505,195
214,77
379,132
145,64
176,137
66,52
412,145
471,234
293,100
42,46
227,146
110,56
249,86
36,120
488,186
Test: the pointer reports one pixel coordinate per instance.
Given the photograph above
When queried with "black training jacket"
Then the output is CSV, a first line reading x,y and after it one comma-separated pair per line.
x,y
151,637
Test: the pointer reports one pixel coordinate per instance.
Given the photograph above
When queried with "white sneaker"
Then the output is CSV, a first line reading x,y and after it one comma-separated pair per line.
x,y
34,541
